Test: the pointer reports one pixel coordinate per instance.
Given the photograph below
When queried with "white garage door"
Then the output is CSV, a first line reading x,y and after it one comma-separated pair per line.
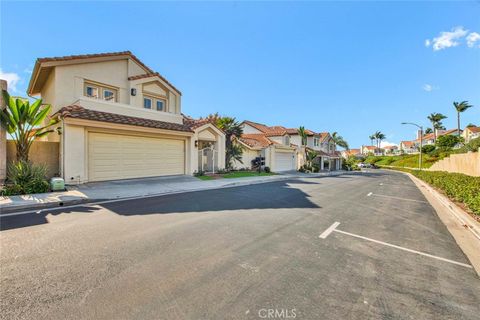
x,y
284,161
122,157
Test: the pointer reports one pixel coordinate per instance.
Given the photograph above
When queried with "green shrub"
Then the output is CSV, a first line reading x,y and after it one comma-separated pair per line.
x,y
267,169
473,146
456,186
448,141
428,148
25,178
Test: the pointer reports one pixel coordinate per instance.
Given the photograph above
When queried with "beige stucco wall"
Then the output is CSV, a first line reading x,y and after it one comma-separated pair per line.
x,y
247,129
65,86
208,133
41,152
466,163
247,157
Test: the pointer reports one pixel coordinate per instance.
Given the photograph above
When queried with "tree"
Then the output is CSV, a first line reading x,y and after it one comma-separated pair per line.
x,y
372,137
379,136
232,130
339,141
436,120
428,131
24,121
303,135
447,141
461,107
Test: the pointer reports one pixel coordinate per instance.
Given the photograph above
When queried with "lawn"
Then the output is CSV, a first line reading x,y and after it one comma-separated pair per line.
x,y
235,174
243,174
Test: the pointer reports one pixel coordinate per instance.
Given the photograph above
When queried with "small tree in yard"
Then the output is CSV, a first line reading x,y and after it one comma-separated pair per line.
x,y
448,141
232,130
24,121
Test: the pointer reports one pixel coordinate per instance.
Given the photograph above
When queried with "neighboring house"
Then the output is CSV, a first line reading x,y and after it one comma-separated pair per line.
x,y
470,133
351,153
272,143
371,150
429,139
390,150
120,119
409,147
282,147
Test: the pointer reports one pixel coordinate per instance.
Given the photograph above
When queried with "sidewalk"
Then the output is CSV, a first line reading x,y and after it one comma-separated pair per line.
x,y
134,188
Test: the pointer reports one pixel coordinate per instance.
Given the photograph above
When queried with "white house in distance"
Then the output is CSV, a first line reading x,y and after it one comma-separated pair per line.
x,y
282,147
470,133
121,119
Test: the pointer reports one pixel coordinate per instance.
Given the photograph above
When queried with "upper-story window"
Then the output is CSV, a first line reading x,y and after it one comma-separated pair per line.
x,y
98,91
316,142
156,103
287,140
147,103
160,105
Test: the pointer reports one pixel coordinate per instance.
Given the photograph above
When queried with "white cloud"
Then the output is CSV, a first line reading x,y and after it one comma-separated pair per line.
x,y
447,39
429,88
11,78
472,38
386,144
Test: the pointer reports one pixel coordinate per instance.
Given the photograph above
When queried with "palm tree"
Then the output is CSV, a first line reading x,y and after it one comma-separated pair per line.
x,y
303,135
436,120
339,141
232,130
428,131
25,122
461,107
372,137
379,136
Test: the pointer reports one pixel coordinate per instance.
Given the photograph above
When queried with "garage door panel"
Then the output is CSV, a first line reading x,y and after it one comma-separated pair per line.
x,y
121,157
284,161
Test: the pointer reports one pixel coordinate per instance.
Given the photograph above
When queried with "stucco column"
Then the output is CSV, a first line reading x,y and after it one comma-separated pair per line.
x,y
3,137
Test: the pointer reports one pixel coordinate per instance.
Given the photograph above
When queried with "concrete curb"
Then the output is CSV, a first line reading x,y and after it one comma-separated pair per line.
x,y
464,229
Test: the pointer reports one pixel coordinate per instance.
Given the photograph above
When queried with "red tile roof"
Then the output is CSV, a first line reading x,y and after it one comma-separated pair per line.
x,y
154,74
431,136
256,140
474,129
276,130
408,144
79,112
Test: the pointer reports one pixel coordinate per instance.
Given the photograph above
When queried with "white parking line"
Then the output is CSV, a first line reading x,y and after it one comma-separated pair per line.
x,y
333,228
399,198
329,230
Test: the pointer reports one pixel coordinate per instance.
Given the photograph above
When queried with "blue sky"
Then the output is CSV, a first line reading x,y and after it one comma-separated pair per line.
x,y
351,67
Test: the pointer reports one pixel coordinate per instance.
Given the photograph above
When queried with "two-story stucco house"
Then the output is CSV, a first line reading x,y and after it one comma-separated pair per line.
x,y
121,119
470,133
282,147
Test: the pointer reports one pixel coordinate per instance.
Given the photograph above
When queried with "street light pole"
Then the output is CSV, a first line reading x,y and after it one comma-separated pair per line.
x,y
421,142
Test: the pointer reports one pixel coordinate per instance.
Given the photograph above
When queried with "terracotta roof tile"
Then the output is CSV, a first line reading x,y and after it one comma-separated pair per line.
x,y
152,74
474,129
79,112
256,140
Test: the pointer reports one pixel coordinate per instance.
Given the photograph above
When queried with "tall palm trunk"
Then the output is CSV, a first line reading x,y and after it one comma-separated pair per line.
x,y
458,123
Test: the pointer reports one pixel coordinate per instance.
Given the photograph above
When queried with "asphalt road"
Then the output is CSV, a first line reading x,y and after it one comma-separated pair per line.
x,y
250,252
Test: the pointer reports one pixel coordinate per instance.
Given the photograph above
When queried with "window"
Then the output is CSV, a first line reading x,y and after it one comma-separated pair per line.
x,y
91,91
98,91
109,95
160,105
315,142
147,103
287,140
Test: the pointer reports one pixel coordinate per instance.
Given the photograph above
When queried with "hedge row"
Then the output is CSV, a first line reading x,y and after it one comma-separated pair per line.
x,y
456,186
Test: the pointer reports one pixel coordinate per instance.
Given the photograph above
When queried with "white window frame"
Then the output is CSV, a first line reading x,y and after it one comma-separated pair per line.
x,y
154,100
100,90
93,87
114,94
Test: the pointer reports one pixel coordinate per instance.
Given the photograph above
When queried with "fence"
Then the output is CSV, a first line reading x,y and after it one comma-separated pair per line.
x,y
466,163
41,152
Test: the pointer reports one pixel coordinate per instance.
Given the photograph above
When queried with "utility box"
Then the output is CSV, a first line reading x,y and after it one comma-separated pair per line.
x,y
57,184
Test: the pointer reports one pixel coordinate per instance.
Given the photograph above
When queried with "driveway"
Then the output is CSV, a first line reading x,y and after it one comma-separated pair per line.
x,y
356,246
